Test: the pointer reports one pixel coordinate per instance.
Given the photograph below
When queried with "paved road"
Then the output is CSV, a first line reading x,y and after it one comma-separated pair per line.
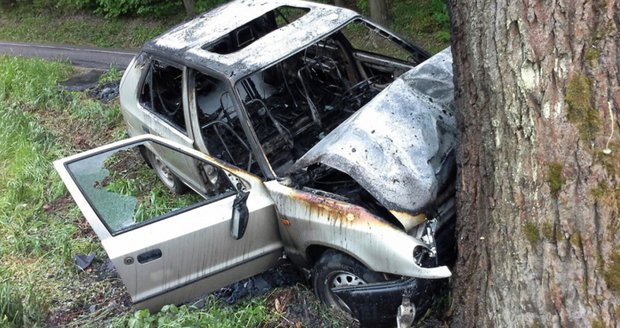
x,y
79,56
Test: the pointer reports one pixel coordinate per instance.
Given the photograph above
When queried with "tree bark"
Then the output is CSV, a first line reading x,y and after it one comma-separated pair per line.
x,y
189,7
379,12
340,3
538,192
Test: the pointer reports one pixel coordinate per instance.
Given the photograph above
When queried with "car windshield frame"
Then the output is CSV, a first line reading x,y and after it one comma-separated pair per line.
x,y
235,82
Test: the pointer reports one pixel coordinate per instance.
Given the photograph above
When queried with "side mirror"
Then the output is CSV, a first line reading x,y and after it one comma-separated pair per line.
x,y
240,215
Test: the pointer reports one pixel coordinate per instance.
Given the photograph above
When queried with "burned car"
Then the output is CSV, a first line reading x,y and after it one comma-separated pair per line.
x,y
287,128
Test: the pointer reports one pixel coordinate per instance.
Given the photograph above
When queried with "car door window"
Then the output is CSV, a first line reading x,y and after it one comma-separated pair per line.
x,y
219,123
162,93
126,193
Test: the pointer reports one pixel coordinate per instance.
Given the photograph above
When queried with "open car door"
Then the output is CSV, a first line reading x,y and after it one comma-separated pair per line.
x,y
171,248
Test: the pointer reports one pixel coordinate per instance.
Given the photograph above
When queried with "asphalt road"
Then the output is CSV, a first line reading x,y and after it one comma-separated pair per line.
x,y
77,55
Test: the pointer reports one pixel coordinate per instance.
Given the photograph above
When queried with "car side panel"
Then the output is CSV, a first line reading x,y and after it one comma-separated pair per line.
x,y
307,219
197,253
140,120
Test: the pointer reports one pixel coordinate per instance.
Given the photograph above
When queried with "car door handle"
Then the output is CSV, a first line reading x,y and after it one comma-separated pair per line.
x,y
149,256
145,129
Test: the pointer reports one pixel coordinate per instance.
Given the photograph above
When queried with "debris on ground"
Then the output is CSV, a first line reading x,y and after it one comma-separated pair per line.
x,y
81,82
283,275
89,83
83,261
105,92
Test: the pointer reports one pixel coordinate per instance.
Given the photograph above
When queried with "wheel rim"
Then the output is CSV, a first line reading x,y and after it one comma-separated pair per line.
x,y
164,173
341,279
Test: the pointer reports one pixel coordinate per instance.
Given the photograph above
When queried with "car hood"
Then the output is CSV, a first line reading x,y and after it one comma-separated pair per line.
x,y
399,146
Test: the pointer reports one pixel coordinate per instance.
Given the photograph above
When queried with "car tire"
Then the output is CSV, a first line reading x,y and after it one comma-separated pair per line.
x,y
337,269
144,152
165,175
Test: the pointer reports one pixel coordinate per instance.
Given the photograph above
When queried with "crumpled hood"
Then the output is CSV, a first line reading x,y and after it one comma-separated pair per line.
x,y
400,146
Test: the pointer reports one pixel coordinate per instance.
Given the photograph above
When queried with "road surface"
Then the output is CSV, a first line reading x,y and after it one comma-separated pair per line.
x,y
88,57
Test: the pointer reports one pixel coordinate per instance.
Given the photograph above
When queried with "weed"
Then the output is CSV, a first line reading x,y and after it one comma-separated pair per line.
x,y
84,29
11,307
39,234
111,75
251,313
425,22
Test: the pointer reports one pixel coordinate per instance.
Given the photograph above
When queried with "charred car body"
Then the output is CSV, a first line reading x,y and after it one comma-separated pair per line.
x,y
304,129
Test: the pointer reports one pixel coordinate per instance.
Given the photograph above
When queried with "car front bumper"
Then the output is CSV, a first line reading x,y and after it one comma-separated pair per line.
x,y
377,304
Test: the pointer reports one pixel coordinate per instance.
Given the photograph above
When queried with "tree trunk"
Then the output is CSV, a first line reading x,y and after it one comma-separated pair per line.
x,y
379,12
340,3
189,7
539,198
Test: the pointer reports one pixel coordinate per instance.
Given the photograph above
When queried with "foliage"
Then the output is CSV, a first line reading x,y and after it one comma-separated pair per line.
x,y
11,307
111,75
39,236
113,8
251,313
84,29
425,22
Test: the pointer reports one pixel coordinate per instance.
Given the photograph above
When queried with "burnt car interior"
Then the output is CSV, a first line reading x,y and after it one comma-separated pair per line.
x,y
294,103
244,35
162,93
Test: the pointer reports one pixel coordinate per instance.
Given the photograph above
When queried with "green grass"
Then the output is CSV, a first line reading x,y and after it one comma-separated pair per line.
x,y
130,176
425,22
42,229
82,28
39,234
250,313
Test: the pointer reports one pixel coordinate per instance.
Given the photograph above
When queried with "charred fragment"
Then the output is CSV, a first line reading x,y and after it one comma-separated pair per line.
x,y
400,146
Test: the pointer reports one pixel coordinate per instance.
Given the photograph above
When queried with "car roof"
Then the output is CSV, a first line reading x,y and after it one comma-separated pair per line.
x,y
184,43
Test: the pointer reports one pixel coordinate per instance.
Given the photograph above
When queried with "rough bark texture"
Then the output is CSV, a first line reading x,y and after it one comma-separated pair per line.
x,y
340,3
189,7
539,200
379,11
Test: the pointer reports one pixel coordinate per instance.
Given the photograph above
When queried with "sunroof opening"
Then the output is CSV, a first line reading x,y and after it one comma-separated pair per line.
x,y
247,34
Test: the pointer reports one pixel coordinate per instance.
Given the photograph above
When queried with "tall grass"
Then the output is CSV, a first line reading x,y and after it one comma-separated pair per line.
x,y
39,237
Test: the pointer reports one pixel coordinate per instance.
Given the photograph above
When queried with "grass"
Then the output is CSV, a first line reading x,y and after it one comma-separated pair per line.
x,y
82,28
37,224
425,22
251,313
42,230
130,176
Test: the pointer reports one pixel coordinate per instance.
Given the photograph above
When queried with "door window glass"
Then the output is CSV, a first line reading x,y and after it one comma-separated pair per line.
x,y
162,93
125,193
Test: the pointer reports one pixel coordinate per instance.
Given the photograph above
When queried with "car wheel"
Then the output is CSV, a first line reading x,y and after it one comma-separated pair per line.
x,y
165,174
335,269
144,152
